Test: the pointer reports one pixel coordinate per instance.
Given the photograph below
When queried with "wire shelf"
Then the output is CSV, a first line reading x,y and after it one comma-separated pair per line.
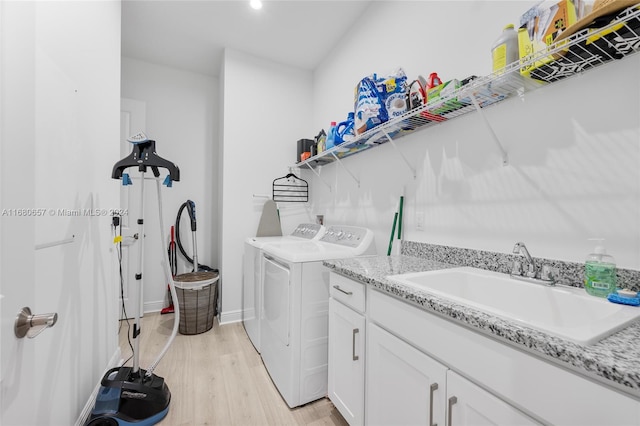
x,y
580,52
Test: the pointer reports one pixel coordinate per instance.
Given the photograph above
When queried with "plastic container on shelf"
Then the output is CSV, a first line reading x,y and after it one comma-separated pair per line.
x,y
345,130
330,142
433,81
505,49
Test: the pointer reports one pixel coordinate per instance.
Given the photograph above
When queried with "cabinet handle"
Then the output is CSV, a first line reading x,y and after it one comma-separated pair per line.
x,y
348,293
452,401
353,346
434,387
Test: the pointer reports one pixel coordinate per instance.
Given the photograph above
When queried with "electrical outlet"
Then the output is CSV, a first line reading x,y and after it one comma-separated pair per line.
x,y
420,221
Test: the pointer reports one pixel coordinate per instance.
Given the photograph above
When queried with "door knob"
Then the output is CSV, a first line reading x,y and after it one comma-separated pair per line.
x,y
31,325
129,240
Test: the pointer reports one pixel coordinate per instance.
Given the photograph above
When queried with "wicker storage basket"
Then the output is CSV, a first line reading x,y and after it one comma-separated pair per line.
x,y
197,299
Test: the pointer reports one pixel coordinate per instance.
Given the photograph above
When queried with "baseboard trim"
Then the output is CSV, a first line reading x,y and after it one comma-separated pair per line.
x,y
230,317
116,361
153,306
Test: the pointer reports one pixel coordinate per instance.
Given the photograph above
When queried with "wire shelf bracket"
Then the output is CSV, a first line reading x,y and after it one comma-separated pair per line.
x,y
411,168
318,175
494,137
345,168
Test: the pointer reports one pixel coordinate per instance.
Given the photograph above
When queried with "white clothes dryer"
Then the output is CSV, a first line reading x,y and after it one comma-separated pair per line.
x,y
295,317
252,274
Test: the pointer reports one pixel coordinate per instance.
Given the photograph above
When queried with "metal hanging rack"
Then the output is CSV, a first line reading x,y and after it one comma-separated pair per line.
x,y
290,189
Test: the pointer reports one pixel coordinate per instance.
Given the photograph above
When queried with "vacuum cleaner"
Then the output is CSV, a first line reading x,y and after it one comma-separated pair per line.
x,y
191,210
197,267
173,265
132,395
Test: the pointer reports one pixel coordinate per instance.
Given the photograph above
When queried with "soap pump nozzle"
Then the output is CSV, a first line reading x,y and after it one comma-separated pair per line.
x,y
599,250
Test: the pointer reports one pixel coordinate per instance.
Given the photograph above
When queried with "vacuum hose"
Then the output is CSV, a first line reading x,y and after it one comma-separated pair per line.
x,y
191,210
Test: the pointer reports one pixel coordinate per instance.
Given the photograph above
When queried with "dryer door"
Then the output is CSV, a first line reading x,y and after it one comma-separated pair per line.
x,y
276,297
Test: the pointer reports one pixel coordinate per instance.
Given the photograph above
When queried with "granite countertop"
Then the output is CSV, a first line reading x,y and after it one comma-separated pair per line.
x,y
614,360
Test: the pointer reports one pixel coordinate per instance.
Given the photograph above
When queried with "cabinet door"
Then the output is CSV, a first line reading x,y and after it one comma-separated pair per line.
x,y
468,404
403,385
346,361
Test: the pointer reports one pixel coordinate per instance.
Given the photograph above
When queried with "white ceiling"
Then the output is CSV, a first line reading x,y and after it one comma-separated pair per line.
x,y
192,35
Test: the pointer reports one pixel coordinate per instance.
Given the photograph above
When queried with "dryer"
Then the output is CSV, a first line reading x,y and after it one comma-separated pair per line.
x,y
295,317
252,274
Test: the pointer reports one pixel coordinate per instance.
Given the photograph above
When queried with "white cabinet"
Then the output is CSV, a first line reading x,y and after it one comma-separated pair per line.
x,y
415,367
346,361
347,348
525,387
468,404
403,385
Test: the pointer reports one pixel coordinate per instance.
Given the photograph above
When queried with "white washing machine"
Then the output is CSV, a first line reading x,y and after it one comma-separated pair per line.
x,y
252,274
295,321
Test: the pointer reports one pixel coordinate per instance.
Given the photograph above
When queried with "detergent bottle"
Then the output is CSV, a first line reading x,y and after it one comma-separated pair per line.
x,y
345,131
331,136
505,49
433,81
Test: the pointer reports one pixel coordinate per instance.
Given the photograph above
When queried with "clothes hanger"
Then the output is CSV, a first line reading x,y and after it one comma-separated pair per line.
x,y
142,156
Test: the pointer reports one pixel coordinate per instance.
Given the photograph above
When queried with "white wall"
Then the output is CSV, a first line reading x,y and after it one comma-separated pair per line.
x,y
574,147
73,85
182,117
267,108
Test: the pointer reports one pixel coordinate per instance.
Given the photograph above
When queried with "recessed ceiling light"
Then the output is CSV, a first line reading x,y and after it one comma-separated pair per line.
x,y
256,4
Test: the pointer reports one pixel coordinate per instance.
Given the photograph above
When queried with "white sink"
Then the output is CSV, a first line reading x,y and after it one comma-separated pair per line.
x,y
566,312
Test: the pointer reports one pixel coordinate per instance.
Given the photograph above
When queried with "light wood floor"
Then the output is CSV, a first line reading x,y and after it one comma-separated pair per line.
x,y
218,378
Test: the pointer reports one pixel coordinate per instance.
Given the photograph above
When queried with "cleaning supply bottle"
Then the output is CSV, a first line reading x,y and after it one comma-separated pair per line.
x,y
320,140
331,137
345,131
505,49
433,81
600,272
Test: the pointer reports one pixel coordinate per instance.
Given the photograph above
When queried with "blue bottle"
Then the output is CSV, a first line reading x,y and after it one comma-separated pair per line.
x,y
331,136
345,130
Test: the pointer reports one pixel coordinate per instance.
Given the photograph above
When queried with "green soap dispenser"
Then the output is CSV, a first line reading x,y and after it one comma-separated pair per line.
x,y
600,272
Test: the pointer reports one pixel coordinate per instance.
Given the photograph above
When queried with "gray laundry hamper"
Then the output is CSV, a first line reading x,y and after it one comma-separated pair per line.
x,y
198,300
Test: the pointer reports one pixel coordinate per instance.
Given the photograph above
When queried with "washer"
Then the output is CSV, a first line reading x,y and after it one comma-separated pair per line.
x,y
252,274
295,321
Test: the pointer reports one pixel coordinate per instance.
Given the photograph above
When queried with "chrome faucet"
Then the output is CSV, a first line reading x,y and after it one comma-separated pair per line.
x,y
531,268
548,273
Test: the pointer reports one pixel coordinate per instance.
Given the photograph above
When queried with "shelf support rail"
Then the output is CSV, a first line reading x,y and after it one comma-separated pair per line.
x,y
413,170
318,174
345,168
505,156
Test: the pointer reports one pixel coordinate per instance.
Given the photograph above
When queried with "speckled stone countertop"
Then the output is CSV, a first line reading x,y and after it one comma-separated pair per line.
x,y
614,360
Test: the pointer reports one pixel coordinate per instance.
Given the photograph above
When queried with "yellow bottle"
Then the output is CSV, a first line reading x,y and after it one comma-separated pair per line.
x,y
505,48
